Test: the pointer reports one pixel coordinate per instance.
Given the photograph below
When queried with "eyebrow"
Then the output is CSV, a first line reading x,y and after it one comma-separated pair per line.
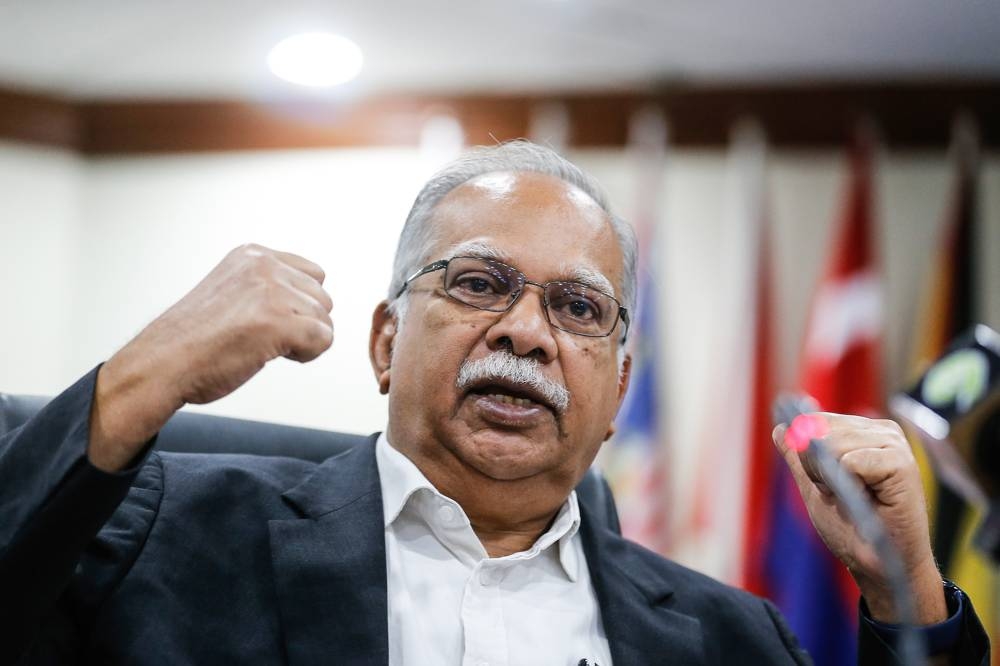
x,y
478,249
590,278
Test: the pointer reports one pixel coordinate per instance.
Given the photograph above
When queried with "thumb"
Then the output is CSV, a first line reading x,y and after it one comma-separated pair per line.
x,y
802,476
778,435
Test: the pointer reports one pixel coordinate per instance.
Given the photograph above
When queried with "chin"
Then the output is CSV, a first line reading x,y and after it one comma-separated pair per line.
x,y
506,456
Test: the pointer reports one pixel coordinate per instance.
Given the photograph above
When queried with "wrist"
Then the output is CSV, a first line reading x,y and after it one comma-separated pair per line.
x,y
131,404
927,588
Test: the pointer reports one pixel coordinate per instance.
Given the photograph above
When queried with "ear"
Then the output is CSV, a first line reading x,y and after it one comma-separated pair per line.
x,y
380,342
623,379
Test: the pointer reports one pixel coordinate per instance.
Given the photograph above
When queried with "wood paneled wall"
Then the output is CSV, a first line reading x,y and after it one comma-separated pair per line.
x,y
908,115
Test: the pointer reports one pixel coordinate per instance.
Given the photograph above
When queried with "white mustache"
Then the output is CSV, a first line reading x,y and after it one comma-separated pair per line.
x,y
502,365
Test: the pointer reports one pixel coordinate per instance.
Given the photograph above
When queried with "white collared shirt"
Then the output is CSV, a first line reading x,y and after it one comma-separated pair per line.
x,y
451,604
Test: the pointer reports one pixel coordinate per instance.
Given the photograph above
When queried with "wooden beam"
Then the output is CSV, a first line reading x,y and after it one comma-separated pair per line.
x,y
909,115
34,118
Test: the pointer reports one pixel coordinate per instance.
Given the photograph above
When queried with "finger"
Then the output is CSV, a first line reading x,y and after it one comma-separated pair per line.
x,y
308,338
310,286
854,422
875,468
313,270
303,304
802,464
850,433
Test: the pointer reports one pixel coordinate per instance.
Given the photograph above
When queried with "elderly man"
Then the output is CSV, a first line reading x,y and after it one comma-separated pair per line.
x,y
454,537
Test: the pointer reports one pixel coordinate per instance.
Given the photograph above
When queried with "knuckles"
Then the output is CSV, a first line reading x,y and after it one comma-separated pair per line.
x,y
893,427
248,250
261,287
323,337
253,261
848,426
242,315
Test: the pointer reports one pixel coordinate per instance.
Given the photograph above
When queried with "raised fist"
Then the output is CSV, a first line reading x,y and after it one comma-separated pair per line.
x,y
256,305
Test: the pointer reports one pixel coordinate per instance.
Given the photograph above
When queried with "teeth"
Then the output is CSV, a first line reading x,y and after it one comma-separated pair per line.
x,y
511,400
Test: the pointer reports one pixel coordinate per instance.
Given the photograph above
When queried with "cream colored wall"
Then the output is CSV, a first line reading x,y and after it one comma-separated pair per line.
x,y
40,215
154,227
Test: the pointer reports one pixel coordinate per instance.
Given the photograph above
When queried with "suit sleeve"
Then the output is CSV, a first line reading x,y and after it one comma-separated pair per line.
x,y
53,503
971,648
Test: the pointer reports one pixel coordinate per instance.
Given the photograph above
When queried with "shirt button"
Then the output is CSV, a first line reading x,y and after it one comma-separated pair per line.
x,y
447,514
489,577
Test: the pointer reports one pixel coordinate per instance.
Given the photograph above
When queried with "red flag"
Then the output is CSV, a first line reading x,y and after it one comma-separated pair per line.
x,y
840,368
841,364
762,457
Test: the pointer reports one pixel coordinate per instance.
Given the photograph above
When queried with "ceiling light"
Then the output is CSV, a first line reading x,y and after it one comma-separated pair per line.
x,y
315,59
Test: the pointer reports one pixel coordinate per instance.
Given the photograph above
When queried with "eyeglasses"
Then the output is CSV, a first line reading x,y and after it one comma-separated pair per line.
x,y
490,285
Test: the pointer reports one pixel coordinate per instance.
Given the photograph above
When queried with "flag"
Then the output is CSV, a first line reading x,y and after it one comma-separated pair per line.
x,y
635,465
948,309
753,366
712,527
635,462
840,368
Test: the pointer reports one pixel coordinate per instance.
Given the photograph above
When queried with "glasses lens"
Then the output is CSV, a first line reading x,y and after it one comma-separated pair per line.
x,y
577,308
481,283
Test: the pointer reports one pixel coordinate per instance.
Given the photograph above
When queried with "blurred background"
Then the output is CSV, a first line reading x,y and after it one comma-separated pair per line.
x,y
816,188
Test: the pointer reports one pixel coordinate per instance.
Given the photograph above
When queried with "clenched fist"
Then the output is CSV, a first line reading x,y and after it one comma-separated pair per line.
x,y
256,305
877,454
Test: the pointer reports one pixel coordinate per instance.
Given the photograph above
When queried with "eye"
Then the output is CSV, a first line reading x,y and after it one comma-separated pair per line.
x,y
479,283
576,306
476,285
581,309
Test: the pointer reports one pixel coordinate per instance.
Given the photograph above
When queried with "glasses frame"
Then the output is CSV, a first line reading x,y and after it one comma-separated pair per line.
x,y
442,264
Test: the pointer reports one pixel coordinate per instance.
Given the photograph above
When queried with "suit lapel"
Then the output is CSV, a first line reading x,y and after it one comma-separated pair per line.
x,y
330,576
635,600
329,565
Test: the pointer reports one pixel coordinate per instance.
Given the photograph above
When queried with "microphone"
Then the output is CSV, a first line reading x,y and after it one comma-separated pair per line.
x,y
955,408
804,434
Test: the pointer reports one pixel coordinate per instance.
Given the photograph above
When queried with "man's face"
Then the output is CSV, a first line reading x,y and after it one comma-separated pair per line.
x,y
549,230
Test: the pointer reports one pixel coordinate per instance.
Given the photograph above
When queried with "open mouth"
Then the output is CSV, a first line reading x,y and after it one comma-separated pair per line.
x,y
515,395
509,399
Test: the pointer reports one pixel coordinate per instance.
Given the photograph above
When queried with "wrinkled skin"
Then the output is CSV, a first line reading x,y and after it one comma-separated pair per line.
x,y
509,471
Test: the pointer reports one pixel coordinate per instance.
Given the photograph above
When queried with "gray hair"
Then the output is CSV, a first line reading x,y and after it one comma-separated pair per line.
x,y
519,370
519,156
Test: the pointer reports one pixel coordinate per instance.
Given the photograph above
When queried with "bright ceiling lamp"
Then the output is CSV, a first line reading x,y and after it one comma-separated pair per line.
x,y
315,59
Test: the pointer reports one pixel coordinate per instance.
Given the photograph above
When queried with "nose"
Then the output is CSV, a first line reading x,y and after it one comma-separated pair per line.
x,y
524,329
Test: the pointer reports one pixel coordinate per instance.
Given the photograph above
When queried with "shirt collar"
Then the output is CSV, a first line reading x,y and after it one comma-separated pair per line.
x,y
400,479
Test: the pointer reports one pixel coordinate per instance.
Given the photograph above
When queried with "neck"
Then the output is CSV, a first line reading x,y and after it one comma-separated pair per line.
x,y
499,543
508,516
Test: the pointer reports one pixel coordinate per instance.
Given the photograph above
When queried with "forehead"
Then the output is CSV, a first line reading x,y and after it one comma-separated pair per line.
x,y
543,225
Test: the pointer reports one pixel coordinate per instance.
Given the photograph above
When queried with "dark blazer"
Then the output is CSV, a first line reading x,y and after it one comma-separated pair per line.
x,y
208,559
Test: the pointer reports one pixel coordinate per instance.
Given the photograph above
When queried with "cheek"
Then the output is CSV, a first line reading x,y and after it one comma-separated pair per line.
x,y
441,318
592,374
435,342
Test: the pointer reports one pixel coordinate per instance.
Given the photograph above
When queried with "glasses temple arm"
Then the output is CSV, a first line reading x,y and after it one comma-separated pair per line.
x,y
429,268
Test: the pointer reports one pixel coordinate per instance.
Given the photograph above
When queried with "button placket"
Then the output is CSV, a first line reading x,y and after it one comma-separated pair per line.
x,y
490,576
482,618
